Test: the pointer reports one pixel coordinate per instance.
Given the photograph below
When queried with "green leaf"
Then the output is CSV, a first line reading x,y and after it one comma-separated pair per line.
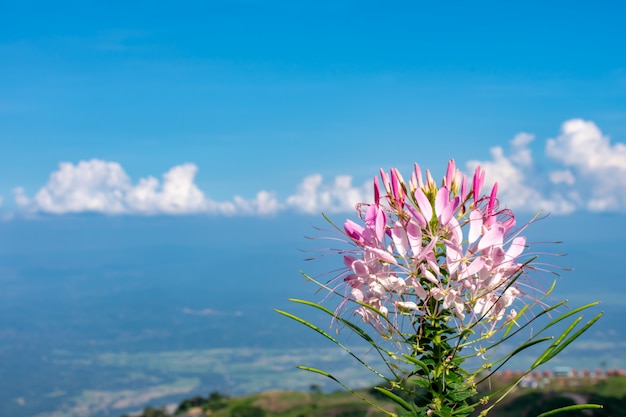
x,y
308,324
570,408
417,362
398,400
458,396
502,361
568,314
351,325
356,394
444,412
573,337
329,337
356,329
420,382
543,358
527,324
317,371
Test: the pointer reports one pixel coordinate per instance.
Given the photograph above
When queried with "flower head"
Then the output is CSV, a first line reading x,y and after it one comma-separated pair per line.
x,y
424,251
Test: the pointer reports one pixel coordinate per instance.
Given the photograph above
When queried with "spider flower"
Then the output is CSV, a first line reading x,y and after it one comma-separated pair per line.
x,y
434,252
434,270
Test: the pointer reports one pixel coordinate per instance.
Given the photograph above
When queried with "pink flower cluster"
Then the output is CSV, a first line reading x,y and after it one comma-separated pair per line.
x,y
433,252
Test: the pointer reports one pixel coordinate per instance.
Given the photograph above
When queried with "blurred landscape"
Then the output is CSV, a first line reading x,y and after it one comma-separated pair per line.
x,y
101,316
547,391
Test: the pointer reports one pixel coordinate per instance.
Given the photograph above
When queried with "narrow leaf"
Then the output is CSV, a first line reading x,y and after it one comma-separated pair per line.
x,y
356,394
398,400
356,329
416,362
572,338
329,337
570,408
568,314
543,358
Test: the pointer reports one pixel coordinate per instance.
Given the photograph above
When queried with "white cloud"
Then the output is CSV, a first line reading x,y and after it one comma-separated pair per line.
x,y
20,198
521,154
265,203
516,178
590,172
177,195
95,186
599,165
99,186
313,196
583,170
582,144
104,187
564,176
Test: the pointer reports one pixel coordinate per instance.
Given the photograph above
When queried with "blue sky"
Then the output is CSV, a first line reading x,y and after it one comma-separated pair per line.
x,y
260,108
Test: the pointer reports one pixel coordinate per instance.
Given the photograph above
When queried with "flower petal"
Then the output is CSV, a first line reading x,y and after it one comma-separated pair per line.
x,y
476,226
424,205
400,239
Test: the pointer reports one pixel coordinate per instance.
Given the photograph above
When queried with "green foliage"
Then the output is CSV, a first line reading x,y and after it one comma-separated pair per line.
x,y
190,403
214,401
153,412
247,410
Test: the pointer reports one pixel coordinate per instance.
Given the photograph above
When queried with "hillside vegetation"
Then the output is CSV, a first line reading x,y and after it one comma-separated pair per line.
x,y
609,392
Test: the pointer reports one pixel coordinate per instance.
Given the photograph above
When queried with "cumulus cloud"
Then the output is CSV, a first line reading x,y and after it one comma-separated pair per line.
x,y
313,196
98,186
95,186
562,177
521,153
178,194
265,203
20,197
589,172
590,157
104,187
580,170
516,176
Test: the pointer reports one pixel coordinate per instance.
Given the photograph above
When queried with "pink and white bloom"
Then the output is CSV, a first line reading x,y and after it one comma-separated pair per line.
x,y
424,250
